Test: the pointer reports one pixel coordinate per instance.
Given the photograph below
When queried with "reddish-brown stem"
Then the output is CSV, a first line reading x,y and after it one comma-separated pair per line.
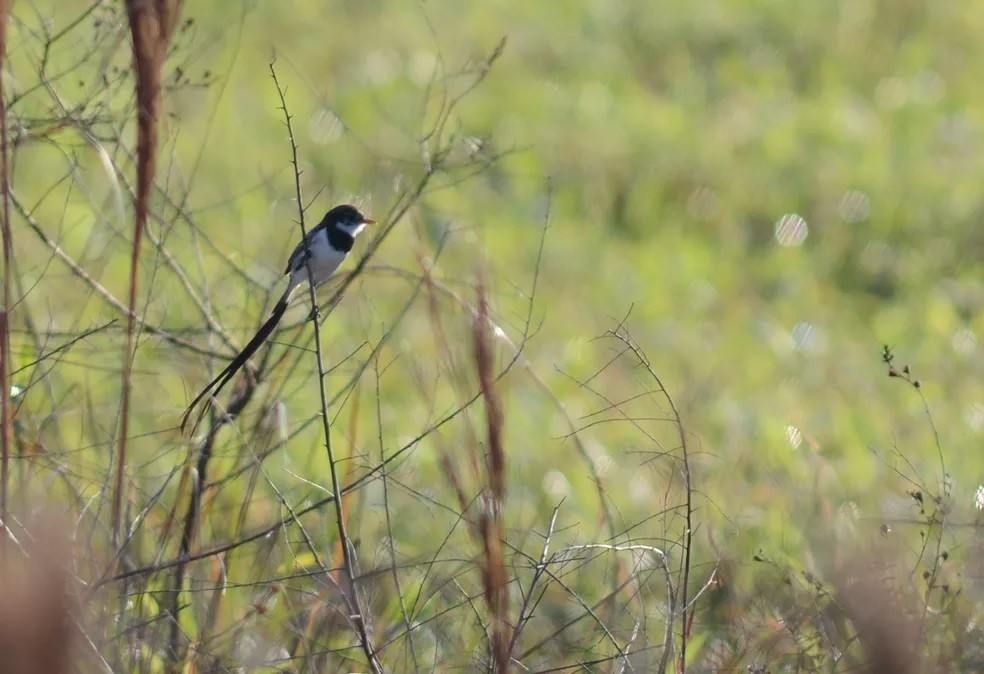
x,y
5,401
150,27
490,521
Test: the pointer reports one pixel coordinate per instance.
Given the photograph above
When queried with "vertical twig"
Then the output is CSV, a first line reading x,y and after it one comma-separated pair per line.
x,y
391,546
686,618
5,399
350,594
526,610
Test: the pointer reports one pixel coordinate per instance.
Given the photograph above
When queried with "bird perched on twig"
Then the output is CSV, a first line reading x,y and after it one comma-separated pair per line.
x,y
322,252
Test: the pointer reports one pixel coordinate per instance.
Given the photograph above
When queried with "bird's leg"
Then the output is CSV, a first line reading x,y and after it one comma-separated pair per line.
x,y
314,312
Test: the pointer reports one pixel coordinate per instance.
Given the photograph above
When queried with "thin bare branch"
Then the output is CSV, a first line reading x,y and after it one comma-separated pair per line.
x,y
357,612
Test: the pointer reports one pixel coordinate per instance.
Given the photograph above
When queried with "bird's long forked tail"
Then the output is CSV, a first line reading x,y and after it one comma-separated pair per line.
x,y
211,391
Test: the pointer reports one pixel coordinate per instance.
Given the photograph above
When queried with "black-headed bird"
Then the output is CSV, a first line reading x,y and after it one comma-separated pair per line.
x,y
323,251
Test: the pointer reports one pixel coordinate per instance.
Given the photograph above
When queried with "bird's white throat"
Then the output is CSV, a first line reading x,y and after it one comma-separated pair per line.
x,y
351,228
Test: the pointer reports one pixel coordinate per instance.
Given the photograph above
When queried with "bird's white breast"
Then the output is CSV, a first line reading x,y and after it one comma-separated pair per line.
x,y
324,261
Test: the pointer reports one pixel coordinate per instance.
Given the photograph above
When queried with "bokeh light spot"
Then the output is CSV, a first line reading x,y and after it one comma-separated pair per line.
x,y
854,206
421,67
975,416
556,484
794,436
325,127
964,342
791,230
804,336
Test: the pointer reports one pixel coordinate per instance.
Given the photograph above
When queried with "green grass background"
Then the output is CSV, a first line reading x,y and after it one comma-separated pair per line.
x,y
669,140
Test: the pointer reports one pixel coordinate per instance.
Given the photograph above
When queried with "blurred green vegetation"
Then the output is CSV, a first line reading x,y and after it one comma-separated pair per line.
x,y
678,151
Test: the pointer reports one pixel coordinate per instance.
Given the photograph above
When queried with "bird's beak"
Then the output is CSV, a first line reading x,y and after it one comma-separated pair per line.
x,y
368,221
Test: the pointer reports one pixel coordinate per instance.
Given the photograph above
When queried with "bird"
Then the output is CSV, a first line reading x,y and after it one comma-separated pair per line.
x,y
322,251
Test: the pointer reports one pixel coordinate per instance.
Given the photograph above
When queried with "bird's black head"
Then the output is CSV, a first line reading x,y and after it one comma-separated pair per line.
x,y
346,218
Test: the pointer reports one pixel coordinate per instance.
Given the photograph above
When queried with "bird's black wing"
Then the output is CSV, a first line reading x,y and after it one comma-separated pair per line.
x,y
298,258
